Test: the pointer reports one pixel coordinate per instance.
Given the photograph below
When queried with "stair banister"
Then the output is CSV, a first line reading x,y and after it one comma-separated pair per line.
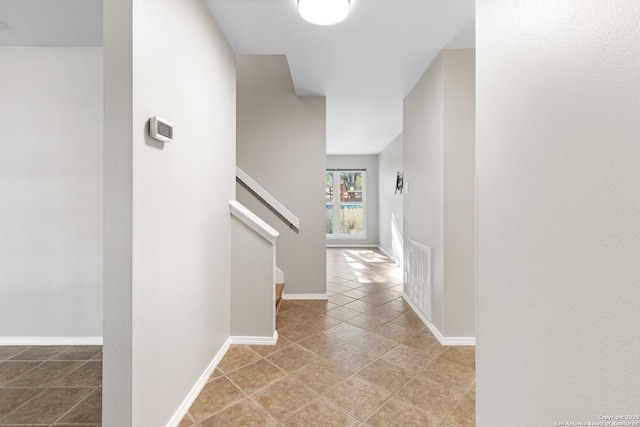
x,y
253,221
264,195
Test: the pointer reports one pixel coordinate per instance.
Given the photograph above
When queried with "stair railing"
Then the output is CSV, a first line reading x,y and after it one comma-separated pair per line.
x,y
262,194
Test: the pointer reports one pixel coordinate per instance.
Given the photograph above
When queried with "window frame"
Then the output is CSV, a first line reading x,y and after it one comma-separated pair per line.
x,y
336,235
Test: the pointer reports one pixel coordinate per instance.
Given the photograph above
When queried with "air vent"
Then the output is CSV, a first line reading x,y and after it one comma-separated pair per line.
x,y
419,285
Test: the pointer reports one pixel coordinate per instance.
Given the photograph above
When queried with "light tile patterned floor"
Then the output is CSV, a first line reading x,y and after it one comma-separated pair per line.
x,y
51,386
363,358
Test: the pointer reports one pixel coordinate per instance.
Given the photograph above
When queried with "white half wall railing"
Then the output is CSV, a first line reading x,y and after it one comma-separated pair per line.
x,y
253,277
253,221
267,198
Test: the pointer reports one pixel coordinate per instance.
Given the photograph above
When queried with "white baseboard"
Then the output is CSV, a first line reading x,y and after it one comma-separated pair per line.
x,y
197,388
442,339
305,296
381,249
256,340
389,255
350,245
459,341
202,381
50,340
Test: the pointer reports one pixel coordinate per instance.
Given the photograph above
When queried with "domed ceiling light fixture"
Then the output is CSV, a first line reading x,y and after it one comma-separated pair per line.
x,y
324,12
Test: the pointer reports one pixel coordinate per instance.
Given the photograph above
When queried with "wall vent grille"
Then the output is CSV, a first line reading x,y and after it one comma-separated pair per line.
x,y
419,269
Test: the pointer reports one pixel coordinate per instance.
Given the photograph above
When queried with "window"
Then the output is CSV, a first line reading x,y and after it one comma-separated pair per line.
x,y
345,203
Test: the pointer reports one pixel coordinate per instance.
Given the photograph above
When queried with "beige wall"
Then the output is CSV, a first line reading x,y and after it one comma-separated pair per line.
x,y
558,229
423,125
167,226
459,192
281,145
390,210
439,176
51,187
252,282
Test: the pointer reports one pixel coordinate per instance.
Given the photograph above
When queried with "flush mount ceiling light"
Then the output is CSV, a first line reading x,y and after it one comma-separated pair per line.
x,y
324,12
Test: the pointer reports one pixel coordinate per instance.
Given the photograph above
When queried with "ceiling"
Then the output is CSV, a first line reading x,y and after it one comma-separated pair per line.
x,y
365,65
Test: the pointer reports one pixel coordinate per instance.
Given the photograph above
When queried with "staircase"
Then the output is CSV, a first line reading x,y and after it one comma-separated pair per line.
x,y
254,303
279,288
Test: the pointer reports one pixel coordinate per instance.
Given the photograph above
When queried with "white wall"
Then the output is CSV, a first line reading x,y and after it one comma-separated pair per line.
x,y
281,142
438,157
370,163
51,187
558,229
170,293
390,210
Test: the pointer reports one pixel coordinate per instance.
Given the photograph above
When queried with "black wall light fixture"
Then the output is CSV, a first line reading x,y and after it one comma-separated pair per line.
x,y
399,182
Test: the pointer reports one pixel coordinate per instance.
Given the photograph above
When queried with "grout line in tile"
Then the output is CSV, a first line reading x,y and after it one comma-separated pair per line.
x,y
76,405
255,402
317,395
69,373
190,417
468,390
326,401
436,382
38,394
226,406
22,374
17,354
264,386
240,367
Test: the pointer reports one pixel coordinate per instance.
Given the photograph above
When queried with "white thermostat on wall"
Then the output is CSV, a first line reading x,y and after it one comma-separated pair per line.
x,y
160,129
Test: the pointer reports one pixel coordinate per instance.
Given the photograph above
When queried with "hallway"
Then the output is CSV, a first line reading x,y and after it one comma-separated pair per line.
x,y
363,358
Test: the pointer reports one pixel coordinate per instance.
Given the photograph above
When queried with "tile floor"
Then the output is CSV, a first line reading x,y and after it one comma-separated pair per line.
x,y
363,358
50,386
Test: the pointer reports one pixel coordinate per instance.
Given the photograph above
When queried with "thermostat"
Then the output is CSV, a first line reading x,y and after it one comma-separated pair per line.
x,y
160,129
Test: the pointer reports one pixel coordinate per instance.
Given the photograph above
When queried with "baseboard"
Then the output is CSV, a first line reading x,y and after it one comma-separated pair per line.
x,y
197,388
389,255
305,296
256,340
50,340
381,249
365,246
202,381
442,339
459,341
355,245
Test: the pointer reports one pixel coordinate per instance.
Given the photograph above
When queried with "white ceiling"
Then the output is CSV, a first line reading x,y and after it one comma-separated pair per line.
x,y
365,65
